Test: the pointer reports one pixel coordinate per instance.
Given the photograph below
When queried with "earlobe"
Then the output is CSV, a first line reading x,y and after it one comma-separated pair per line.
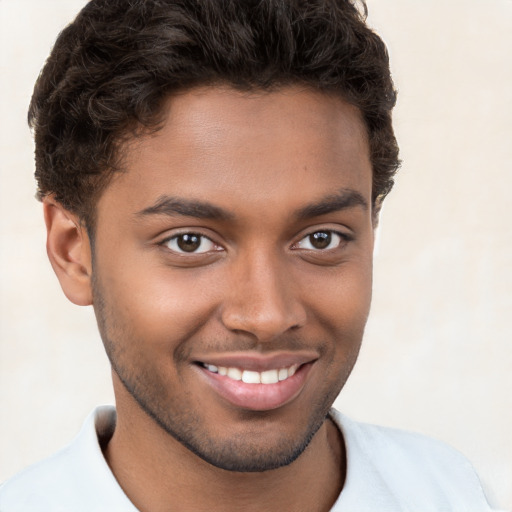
x,y
69,251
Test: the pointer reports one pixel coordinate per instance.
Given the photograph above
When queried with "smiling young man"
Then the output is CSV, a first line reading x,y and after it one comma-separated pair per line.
x,y
211,174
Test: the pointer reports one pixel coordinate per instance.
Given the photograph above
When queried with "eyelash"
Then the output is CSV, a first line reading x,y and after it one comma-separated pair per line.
x,y
342,238
174,240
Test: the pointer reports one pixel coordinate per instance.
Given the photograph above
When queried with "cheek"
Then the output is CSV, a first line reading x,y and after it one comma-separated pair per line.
x,y
341,297
345,313
153,305
340,307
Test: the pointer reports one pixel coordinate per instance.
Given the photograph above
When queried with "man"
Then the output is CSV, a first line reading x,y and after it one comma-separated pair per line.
x,y
211,174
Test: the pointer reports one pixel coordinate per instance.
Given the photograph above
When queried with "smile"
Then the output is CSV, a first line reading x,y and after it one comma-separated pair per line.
x,y
243,386
252,377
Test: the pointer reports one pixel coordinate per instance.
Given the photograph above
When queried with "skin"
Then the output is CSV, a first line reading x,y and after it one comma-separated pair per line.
x,y
258,286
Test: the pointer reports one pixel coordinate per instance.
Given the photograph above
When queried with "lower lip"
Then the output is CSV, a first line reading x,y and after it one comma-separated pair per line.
x,y
258,397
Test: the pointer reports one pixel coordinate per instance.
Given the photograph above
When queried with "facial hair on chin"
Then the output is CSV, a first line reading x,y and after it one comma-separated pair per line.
x,y
238,453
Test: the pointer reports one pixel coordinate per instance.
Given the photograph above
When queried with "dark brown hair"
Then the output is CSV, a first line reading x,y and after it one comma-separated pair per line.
x,y
111,69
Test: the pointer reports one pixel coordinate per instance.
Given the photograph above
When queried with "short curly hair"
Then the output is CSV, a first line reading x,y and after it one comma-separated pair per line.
x,y
112,68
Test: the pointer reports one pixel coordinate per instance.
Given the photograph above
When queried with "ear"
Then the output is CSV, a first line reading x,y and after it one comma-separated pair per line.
x,y
376,213
376,209
69,251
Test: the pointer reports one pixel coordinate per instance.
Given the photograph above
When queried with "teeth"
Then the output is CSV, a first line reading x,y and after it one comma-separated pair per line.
x,y
234,373
283,374
269,377
251,377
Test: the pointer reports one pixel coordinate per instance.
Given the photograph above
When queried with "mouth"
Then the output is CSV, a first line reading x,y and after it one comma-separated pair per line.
x,y
254,385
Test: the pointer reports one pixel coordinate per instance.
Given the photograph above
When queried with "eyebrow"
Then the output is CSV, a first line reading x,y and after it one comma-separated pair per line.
x,y
344,199
172,206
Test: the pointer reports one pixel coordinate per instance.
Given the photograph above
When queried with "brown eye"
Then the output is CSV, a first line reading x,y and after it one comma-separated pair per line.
x,y
190,243
322,240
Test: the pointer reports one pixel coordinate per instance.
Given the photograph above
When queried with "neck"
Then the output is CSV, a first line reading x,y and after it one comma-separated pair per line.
x,y
157,472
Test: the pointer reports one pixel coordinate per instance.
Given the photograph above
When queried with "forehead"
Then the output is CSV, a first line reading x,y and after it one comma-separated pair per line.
x,y
268,148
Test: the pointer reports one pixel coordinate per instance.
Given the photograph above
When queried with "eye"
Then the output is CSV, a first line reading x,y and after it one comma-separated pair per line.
x,y
321,241
188,243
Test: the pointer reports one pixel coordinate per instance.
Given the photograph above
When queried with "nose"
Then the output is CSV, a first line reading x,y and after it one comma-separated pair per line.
x,y
263,299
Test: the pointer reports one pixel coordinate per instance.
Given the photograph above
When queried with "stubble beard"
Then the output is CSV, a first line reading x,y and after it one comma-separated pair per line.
x,y
244,453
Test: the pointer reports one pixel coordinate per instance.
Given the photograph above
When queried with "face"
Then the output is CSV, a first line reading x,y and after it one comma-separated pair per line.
x,y
232,270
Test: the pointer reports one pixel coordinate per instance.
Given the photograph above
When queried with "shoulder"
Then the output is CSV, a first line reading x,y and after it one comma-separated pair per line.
x,y
37,485
415,469
76,478
399,446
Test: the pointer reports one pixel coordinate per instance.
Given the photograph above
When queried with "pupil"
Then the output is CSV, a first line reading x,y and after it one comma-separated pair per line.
x,y
320,240
189,243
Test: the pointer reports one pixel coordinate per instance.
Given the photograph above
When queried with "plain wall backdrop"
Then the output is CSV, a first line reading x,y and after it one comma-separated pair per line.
x,y
437,354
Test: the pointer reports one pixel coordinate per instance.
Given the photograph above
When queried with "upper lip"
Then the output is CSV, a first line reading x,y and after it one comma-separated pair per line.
x,y
259,362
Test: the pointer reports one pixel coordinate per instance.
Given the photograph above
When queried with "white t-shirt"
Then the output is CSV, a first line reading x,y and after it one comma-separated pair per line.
x,y
388,470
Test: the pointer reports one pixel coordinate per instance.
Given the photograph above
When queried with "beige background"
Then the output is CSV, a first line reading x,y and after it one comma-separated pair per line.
x,y
437,356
